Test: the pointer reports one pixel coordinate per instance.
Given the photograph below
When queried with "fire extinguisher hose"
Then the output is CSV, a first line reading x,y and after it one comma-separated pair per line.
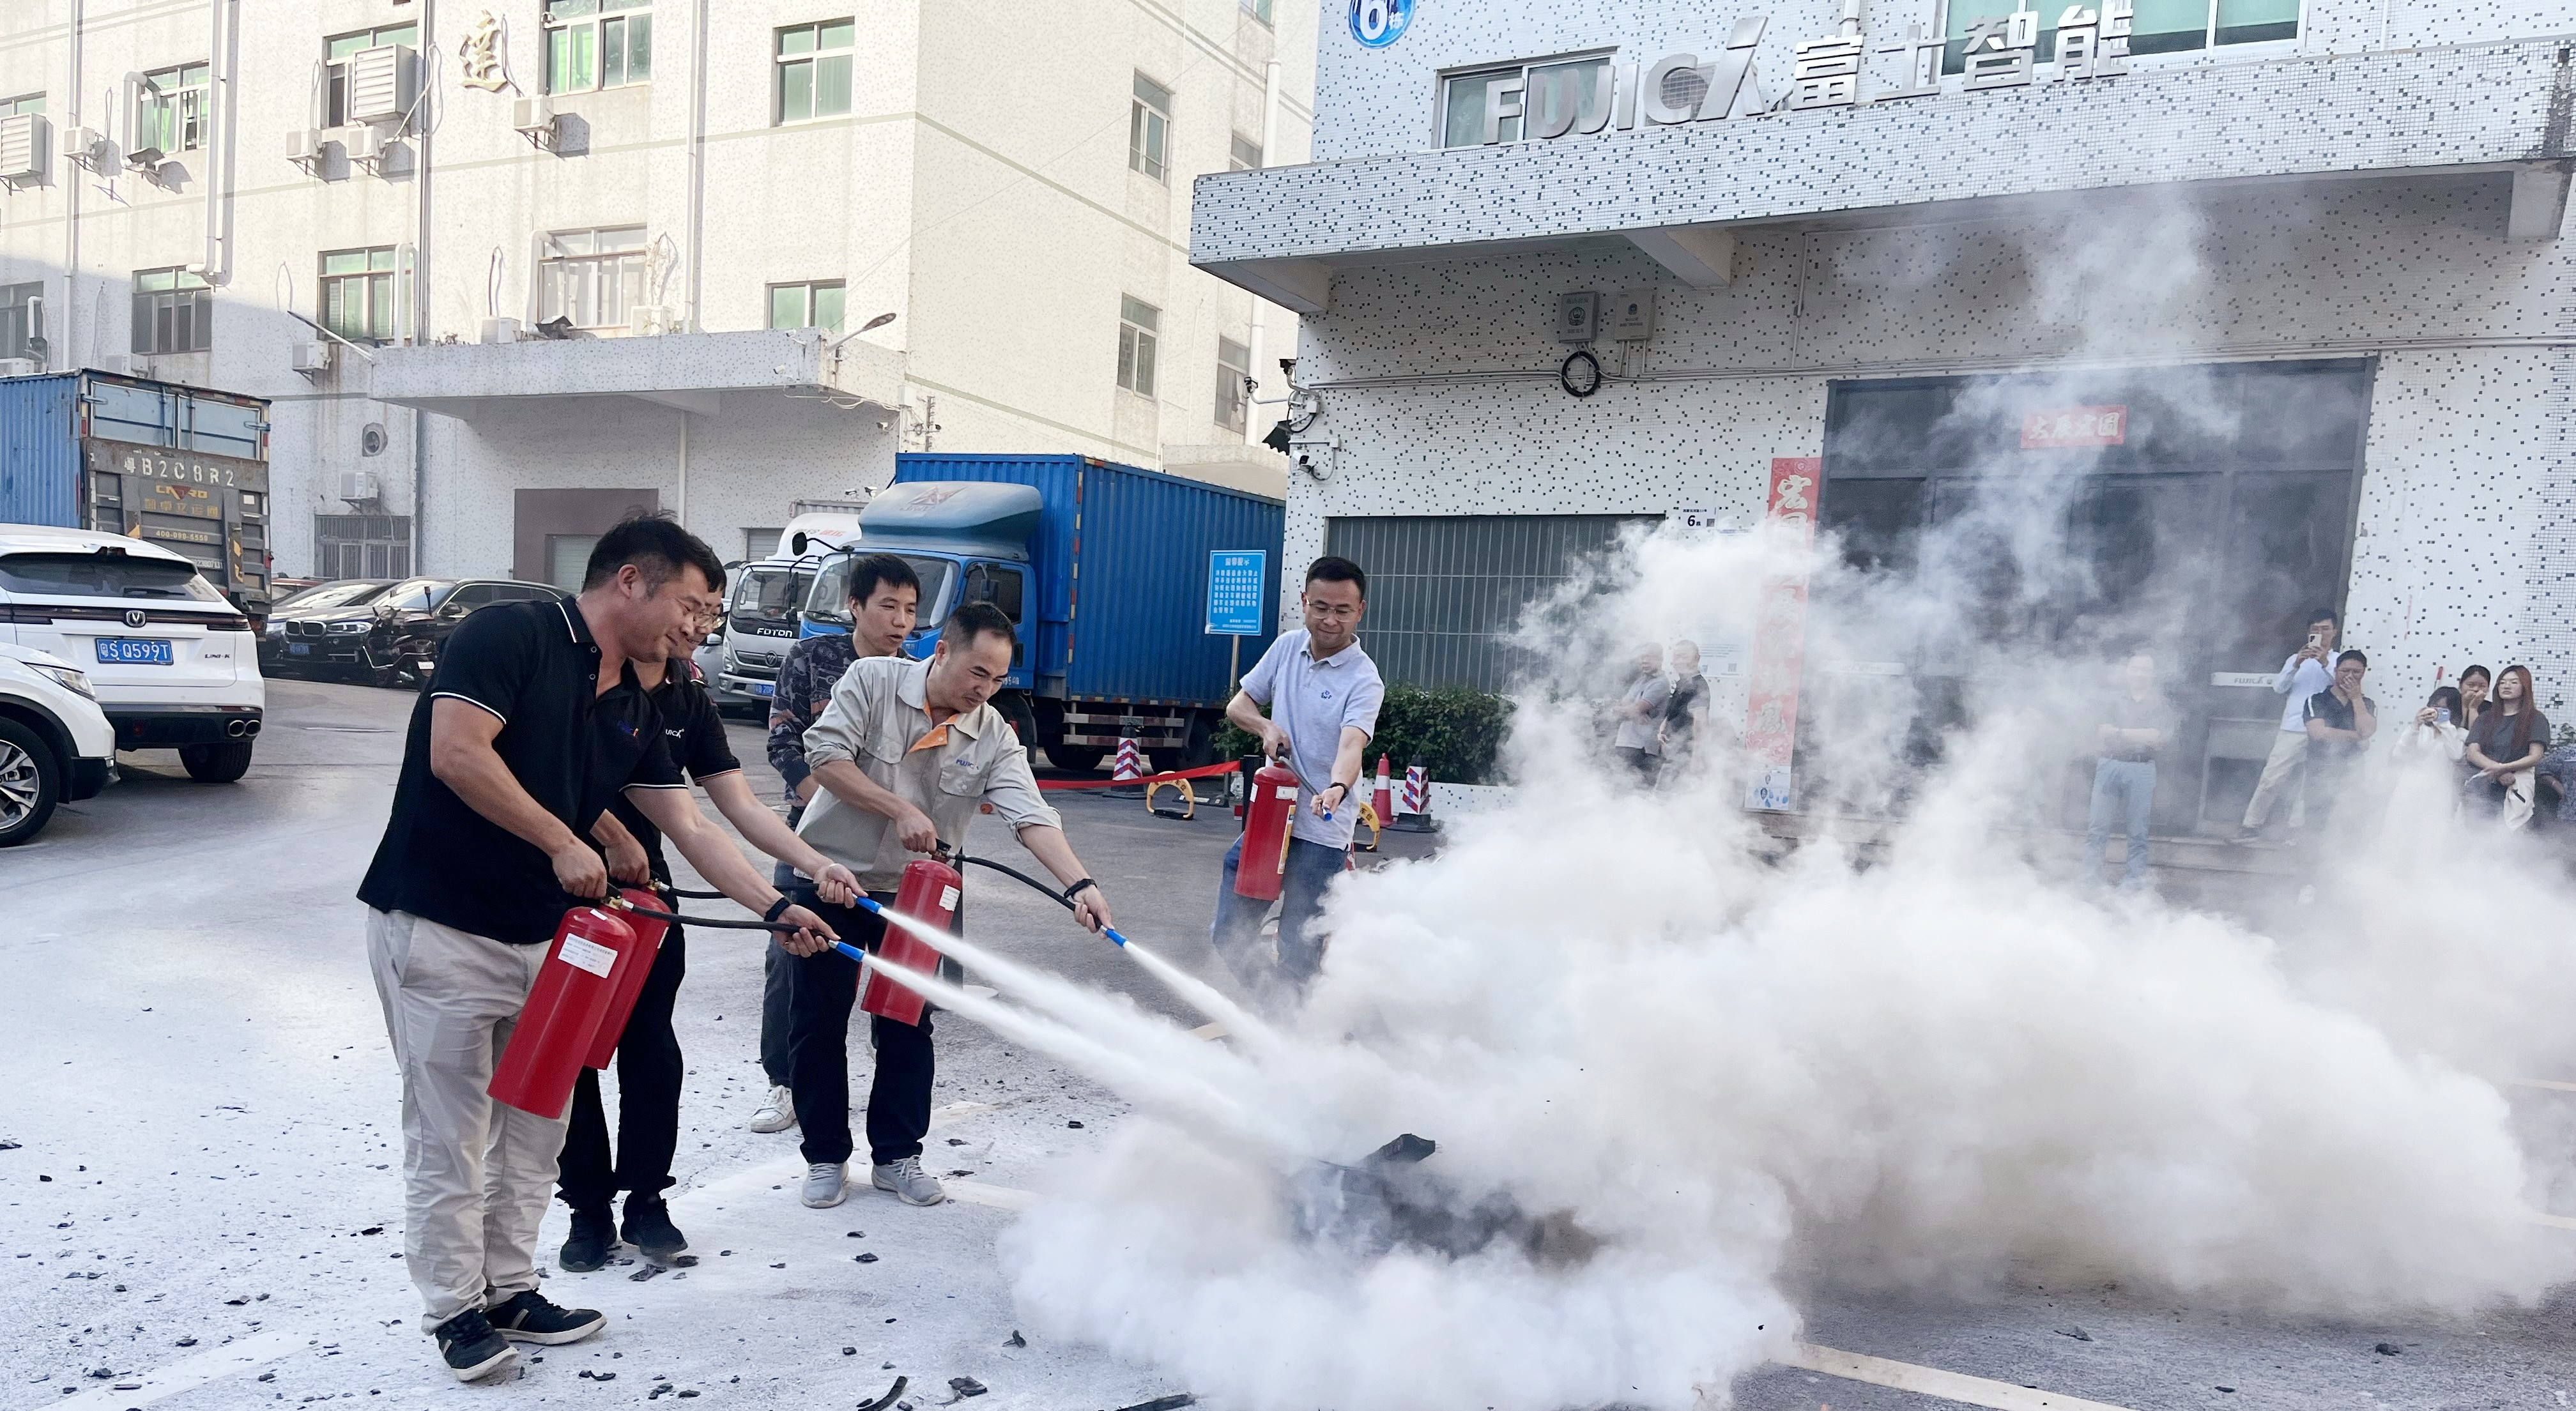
x,y
1062,899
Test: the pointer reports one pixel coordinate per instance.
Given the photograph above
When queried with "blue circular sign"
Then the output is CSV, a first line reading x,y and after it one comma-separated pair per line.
x,y
1379,23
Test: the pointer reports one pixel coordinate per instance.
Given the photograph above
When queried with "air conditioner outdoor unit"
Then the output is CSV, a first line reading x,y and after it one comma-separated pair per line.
x,y
534,118
304,147
113,362
19,367
361,486
500,330
22,147
80,144
365,145
384,83
309,356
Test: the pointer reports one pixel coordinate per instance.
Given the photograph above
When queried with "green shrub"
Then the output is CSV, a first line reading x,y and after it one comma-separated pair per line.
x,y
1455,731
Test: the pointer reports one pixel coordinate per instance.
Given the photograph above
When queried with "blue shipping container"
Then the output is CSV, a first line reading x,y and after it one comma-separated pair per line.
x,y
1121,562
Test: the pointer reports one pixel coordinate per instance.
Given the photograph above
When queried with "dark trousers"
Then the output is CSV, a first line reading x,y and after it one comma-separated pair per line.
x,y
648,1099
1236,933
776,968
822,991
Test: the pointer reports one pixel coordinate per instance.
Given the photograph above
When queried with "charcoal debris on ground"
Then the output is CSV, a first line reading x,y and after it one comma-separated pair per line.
x,y
1015,1340
2388,1349
964,1387
2075,1331
1077,1126
1173,1402
849,1352
865,1258
893,1394
646,1272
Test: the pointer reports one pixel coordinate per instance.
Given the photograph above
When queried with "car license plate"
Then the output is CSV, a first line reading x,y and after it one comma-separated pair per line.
x,y
134,651
764,688
299,649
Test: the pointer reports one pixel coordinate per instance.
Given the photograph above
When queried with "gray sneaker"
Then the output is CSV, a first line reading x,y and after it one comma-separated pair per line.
x,y
825,1184
779,1115
910,1184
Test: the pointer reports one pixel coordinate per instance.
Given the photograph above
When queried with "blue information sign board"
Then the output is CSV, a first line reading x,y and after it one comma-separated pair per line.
x,y
1236,579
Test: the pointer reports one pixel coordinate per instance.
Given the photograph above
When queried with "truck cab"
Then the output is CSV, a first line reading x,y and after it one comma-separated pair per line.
x,y
967,542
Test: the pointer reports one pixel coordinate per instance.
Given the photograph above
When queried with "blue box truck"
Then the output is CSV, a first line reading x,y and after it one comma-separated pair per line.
x,y
1103,567
184,467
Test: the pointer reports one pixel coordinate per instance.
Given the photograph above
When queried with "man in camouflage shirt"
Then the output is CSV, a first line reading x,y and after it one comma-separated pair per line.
x,y
885,594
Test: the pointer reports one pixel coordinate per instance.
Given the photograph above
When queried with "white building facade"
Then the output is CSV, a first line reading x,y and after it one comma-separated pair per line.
x,y
2284,280
510,269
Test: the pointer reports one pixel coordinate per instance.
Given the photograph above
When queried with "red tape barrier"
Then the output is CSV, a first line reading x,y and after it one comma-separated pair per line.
x,y
1203,772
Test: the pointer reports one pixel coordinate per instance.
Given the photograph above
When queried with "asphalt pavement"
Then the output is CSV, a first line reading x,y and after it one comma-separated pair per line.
x,y
204,1191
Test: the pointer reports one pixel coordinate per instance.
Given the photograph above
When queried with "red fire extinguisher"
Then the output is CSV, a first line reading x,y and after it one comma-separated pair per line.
x,y
1267,817
562,1014
928,895
634,967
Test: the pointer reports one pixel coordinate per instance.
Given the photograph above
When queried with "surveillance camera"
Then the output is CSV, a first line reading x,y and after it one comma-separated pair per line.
x,y
1250,385
1288,367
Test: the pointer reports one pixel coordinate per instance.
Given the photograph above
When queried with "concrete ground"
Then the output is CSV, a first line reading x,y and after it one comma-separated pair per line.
x,y
200,1206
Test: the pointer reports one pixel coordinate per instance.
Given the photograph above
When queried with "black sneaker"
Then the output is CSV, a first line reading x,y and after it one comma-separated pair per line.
x,y
472,1348
649,1228
593,1233
527,1317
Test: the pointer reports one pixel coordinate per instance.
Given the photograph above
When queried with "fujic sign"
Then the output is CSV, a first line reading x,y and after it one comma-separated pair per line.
x,y
1558,99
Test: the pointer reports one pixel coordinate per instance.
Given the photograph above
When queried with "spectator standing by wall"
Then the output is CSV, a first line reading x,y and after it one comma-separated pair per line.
x,y
1638,718
2504,747
2340,723
2423,763
1685,726
2137,724
2476,684
884,602
2300,678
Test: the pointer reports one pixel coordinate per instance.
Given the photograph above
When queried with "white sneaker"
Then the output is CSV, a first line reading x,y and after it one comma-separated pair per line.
x,y
825,1183
779,1115
910,1184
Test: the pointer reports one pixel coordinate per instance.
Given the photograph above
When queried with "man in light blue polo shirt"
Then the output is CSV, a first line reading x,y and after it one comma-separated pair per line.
x,y
1322,692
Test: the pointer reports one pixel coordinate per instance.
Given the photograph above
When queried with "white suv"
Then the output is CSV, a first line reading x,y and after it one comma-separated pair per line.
x,y
55,744
172,662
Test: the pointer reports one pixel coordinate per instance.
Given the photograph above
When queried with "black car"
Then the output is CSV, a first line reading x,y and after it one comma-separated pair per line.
x,y
385,633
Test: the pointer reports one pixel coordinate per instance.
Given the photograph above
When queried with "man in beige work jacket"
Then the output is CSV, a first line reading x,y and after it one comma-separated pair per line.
x,y
905,753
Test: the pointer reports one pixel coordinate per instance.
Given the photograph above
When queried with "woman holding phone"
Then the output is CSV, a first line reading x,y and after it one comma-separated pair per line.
x,y
2425,758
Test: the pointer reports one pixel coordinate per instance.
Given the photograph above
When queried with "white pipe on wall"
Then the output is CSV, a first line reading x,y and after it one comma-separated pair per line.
x,y
1253,430
69,354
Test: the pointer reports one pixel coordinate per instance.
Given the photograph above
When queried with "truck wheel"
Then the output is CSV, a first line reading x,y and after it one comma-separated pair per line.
x,y
1199,746
31,780
1082,759
216,764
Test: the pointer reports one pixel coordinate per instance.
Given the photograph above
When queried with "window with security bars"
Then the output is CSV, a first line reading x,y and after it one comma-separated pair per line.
x,y
172,109
339,50
1258,9
1245,155
361,546
22,320
593,277
358,294
814,70
174,312
1139,324
1586,81
1149,129
814,305
593,44
1446,592
1233,364
2157,26
23,103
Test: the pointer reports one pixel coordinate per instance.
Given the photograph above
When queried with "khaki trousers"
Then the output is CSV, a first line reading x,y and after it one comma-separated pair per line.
x,y
2289,751
476,1174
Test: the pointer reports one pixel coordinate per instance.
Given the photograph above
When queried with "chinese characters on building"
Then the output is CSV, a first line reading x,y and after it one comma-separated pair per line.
x,y
2000,51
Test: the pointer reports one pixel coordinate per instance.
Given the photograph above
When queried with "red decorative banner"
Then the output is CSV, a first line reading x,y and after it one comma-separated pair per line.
x,y
2060,427
1780,642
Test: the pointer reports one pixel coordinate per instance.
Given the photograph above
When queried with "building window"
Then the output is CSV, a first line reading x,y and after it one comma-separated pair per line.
x,y
23,103
1462,98
171,113
1138,323
1246,155
816,305
335,65
568,559
597,44
1149,129
2160,27
814,70
593,277
358,294
1233,364
759,544
1258,9
361,546
22,321
174,312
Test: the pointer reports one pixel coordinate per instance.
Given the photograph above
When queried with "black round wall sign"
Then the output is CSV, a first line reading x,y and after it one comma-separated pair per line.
x,y
1581,375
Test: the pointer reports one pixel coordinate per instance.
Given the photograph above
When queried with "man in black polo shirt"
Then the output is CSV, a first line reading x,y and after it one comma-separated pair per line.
x,y
502,779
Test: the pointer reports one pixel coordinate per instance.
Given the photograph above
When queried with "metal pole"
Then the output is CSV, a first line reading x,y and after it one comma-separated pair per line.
x,y
1233,664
